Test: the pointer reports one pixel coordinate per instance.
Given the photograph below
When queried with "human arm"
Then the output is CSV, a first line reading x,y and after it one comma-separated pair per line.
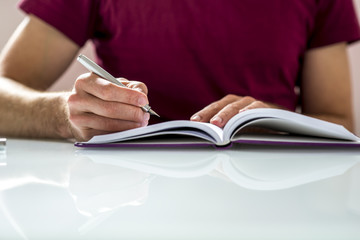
x,y
29,63
326,85
35,56
325,91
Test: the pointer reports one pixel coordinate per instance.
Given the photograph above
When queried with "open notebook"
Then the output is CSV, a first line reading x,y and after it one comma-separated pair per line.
x,y
287,128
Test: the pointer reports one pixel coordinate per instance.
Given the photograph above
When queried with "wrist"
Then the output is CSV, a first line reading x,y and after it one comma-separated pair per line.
x,y
61,121
53,111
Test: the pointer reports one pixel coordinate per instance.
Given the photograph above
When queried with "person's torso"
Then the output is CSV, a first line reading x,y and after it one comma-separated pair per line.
x,y
190,53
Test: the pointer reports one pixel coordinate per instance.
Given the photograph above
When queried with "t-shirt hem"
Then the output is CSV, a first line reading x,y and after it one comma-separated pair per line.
x,y
348,35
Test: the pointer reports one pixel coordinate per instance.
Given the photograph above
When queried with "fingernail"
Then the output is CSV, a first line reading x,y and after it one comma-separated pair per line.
x,y
195,118
144,123
216,119
142,102
147,116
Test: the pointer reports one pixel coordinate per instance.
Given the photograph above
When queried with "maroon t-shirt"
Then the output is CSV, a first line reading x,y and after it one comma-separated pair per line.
x,y
190,53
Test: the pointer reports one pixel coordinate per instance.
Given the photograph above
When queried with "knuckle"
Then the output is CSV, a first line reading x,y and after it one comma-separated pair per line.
x,y
230,97
83,76
248,99
133,97
227,97
109,124
79,83
123,80
82,80
111,110
73,98
73,101
137,115
214,106
75,119
256,104
106,91
86,135
226,113
132,125
142,86
233,106
108,110
259,104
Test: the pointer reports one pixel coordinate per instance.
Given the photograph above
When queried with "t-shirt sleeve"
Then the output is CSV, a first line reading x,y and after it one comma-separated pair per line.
x,y
74,18
335,21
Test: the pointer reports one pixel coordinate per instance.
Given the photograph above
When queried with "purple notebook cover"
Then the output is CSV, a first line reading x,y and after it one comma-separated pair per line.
x,y
192,145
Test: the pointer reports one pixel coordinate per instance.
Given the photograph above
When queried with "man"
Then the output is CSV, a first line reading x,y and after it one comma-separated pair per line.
x,y
219,56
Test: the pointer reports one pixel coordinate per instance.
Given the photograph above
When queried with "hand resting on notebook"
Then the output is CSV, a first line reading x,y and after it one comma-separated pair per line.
x,y
220,112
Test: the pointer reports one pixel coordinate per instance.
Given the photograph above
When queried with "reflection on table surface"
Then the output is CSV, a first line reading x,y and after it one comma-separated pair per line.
x,y
52,190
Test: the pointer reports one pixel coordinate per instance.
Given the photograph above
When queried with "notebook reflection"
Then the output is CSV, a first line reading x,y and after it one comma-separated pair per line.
x,y
124,179
103,183
252,169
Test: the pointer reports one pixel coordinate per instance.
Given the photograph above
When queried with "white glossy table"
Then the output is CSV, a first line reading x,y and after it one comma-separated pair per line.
x,y
53,190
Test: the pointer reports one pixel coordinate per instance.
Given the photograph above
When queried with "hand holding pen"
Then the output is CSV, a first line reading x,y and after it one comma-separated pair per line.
x,y
98,105
93,67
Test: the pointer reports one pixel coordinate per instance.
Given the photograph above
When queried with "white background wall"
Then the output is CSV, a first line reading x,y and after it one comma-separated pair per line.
x,y
10,17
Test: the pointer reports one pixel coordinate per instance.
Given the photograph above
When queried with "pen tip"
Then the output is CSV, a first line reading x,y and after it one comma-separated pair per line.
x,y
152,112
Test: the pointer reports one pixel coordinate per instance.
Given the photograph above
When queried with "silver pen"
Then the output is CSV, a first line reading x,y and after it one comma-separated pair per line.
x,y
93,67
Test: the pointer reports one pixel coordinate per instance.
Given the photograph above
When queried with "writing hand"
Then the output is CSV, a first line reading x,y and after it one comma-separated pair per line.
x,y
97,106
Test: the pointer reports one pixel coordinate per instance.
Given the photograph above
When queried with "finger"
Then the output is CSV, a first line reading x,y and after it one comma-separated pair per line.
x,y
89,125
230,110
209,111
123,80
87,133
84,102
93,121
255,104
135,85
105,90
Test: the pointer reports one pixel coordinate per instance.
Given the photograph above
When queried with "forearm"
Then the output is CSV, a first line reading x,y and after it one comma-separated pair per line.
x,y
346,121
28,113
326,85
